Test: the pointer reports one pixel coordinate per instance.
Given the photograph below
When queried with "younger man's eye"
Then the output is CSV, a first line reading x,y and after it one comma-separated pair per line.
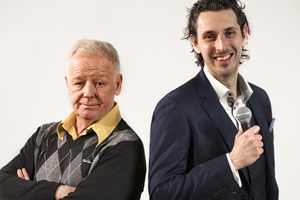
x,y
230,33
209,37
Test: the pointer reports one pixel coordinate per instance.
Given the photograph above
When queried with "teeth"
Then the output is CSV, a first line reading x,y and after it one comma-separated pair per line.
x,y
223,58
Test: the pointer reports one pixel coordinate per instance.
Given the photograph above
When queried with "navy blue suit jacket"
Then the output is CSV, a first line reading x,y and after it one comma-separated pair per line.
x,y
190,136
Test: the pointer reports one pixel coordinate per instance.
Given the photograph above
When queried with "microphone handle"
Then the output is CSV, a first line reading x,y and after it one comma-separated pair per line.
x,y
246,125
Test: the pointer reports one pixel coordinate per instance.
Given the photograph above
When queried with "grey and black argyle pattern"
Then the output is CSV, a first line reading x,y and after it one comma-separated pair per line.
x,y
70,161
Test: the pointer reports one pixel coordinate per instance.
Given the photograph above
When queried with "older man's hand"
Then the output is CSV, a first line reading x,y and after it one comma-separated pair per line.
x,y
22,173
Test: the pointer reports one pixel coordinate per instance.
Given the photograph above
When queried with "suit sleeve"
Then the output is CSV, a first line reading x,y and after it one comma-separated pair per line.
x,y
170,173
12,187
119,175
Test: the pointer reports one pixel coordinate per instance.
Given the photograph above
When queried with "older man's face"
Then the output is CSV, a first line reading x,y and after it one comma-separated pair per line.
x,y
92,83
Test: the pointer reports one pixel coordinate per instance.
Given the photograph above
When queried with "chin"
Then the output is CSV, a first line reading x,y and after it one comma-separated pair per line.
x,y
228,70
90,116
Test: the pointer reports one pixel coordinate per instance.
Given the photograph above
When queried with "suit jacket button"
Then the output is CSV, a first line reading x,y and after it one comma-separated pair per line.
x,y
255,192
214,194
244,196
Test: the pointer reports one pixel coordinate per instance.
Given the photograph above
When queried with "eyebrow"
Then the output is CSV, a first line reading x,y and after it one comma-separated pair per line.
x,y
231,28
226,29
206,32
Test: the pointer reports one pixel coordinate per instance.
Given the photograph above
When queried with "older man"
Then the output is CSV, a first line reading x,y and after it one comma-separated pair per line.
x,y
91,154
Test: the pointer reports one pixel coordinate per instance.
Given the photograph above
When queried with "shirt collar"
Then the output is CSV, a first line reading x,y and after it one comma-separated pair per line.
x,y
102,128
222,91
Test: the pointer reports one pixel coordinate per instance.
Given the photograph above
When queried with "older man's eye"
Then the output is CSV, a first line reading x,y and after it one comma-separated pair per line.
x,y
100,84
78,84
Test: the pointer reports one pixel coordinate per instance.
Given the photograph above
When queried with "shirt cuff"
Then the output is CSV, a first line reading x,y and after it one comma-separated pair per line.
x,y
234,172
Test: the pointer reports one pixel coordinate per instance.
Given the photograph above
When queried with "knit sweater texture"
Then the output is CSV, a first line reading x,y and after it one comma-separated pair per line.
x,y
115,169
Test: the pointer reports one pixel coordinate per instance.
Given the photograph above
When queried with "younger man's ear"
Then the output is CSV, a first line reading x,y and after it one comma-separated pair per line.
x,y
245,35
194,43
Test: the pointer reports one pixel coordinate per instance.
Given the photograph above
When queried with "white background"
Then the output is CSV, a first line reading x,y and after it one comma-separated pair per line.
x,y
35,38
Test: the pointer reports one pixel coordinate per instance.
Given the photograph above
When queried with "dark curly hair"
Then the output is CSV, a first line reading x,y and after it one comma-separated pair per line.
x,y
214,5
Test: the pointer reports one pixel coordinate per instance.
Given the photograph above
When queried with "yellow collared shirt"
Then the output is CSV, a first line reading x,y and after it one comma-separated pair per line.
x,y
102,128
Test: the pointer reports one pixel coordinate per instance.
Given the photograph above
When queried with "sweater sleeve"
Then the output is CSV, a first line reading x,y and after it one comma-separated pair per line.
x,y
12,187
119,175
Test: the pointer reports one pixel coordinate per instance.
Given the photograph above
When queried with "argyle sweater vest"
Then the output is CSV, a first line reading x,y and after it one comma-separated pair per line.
x,y
70,161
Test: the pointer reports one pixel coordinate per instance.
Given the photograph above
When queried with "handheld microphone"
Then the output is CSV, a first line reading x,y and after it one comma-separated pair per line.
x,y
244,115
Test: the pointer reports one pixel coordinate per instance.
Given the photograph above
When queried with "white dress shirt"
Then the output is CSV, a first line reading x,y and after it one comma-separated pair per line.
x,y
223,94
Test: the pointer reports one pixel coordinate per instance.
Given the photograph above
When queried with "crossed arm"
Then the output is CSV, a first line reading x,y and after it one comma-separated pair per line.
x,y
61,192
121,169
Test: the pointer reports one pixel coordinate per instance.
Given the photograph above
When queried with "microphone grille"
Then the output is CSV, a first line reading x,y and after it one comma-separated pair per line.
x,y
243,114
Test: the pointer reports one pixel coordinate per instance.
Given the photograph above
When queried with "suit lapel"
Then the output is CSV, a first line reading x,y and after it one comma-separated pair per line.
x,y
257,113
218,115
215,111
